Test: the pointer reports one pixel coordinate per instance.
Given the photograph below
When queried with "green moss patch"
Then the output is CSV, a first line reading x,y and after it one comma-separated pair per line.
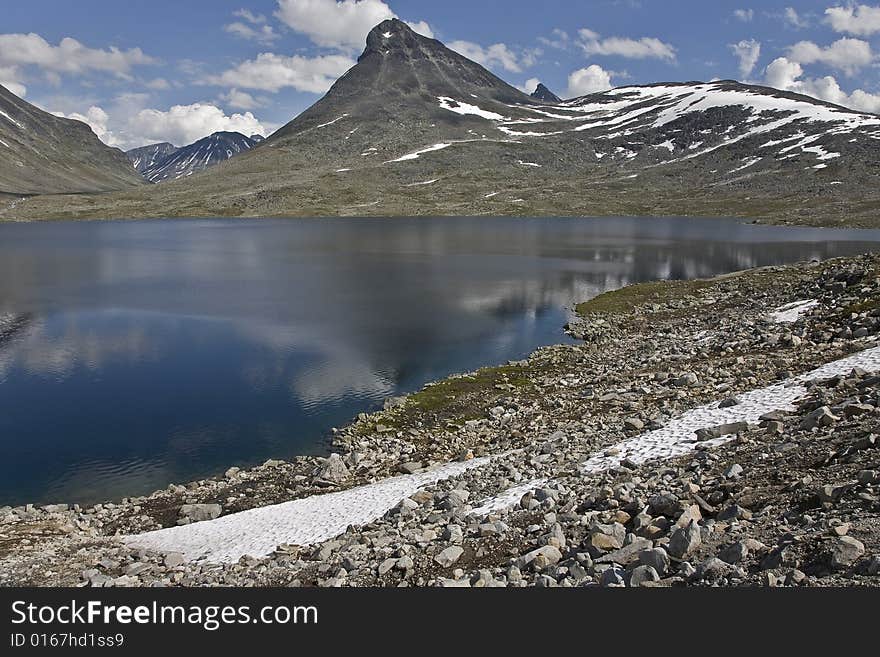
x,y
622,301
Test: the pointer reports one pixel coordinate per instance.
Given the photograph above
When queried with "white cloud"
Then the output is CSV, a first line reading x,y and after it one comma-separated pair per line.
x,y
749,52
422,28
861,20
250,17
560,40
497,54
794,19
258,33
255,27
530,86
782,73
128,124
184,124
69,56
589,80
271,72
240,100
785,74
341,24
847,55
334,24
644,48
745,15
158,84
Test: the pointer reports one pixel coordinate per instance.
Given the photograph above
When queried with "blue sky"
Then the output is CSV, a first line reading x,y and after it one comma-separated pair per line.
x,y
151,70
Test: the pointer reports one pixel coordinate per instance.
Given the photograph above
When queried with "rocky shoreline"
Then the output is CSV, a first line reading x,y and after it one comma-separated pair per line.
x,y
791,499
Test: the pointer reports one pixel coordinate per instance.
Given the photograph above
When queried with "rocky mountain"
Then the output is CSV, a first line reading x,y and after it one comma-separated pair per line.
x,y
43,154
416,129
149,156
184,162
543,94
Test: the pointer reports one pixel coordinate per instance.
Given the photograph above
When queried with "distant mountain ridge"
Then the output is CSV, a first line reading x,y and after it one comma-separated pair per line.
x,y
148,156
163,162
44,154
415,128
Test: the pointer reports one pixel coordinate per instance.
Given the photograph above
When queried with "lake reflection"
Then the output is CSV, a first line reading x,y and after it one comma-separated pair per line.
x,y
136,354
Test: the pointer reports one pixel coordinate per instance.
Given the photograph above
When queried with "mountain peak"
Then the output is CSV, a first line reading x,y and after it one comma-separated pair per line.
x,y
544,94
404,77
391,36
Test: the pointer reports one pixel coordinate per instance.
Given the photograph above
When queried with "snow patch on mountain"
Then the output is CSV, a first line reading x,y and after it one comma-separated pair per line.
x,y
192,159
417,154
464,108
11,120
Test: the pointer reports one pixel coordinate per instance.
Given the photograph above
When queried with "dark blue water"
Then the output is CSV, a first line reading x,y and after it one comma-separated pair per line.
x,y
137,354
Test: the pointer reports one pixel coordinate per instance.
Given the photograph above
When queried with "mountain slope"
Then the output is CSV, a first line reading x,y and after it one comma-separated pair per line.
x,y
205,153
543,94
43,154
416,129
148,156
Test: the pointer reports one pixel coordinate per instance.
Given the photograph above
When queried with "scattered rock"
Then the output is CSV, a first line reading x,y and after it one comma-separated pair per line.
x,y
685,541
845,551
449,556
334,470
200,512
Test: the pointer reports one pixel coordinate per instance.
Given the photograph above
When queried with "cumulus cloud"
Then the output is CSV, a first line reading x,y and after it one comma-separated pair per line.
x,y
745,15
128,124
184,124
530,86
271,72
240,100
341,24
748,52
497,54
861,20
847,55
785,74
589,80
593,43
68,57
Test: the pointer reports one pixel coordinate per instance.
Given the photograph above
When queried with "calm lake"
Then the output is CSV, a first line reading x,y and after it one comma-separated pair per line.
x,y
137,354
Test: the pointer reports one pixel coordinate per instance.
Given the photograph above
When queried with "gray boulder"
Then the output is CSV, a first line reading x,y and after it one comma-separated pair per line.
x,y
685,541
200,512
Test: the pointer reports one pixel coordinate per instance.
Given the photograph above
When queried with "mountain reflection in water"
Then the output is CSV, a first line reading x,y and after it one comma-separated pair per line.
x,y
136,354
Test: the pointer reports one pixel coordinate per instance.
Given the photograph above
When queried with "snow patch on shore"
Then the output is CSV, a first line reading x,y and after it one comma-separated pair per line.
x,y
792,312
678,437
311,520
508,498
